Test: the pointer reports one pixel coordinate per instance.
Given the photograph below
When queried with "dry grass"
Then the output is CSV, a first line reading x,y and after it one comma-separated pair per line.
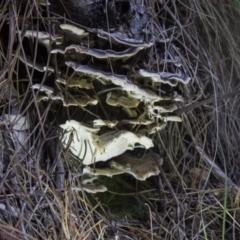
x,y
197,193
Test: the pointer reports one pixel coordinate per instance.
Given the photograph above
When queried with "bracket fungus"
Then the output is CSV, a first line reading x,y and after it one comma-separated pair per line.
x,y
171,79
140,168
174,97
118,99
76,82
122,103
108,172
138,121
154,127
86,100
43,88
99,53
87,145
120,80
171,119
44,38
101,123
80,100
92,188
120,38
88,179
45,92
141,104
72,32
162,109
89,185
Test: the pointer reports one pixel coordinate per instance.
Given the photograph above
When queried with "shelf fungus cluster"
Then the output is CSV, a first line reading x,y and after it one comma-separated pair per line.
x,y
114,103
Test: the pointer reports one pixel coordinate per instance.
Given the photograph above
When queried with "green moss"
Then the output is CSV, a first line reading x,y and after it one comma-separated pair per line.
x,y
120,198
